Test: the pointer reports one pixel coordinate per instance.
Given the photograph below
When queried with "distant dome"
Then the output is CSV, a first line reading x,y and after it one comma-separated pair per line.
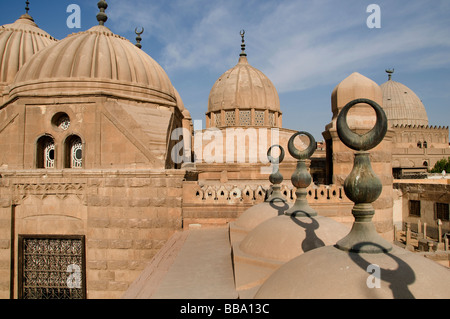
x,y
402,105
243,87
19,41
95,61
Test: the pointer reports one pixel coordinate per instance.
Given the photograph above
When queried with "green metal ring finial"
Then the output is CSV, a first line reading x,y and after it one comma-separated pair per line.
x,y
242,33
305,154
138,38
370,139
275,178
301,178
362,186
101,16
275,160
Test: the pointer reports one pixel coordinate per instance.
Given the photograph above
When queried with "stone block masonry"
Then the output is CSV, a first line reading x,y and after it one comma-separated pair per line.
x,y
126,217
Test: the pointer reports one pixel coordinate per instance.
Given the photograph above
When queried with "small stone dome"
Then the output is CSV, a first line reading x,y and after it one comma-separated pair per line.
x,y
259,213
331,273
95,61
244,88
19,41
285,237
402,105
353,87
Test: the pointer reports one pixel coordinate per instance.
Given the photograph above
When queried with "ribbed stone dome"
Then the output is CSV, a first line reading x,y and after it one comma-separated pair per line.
x,y
243,87
19,41
402,105
95,61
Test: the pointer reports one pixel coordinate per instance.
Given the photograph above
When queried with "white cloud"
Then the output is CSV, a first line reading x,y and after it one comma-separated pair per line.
x,y
298,44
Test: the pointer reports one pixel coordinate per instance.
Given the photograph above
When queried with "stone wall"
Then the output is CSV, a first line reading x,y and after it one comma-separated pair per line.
x,y
126,217
428,192
216,205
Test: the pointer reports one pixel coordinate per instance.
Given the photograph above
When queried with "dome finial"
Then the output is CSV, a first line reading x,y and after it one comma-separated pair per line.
x,y
138,38
389,72
27,8
101,16
243,44
362,186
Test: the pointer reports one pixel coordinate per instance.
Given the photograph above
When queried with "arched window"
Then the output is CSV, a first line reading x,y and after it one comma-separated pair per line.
x,y
73,152
425,144
419,144
45,152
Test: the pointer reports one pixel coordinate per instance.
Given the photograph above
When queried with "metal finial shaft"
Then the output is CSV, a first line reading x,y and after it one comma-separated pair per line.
x,y
27,8
243,43
301,178
389,72
276,178
362,186
101,16
138,38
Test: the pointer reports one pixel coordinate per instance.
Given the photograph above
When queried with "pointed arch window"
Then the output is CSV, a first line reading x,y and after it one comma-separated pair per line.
x,y
45,152
74,152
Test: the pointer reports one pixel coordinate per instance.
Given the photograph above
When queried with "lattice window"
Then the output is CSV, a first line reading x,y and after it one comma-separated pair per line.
x,y
245,118
77,153
64,122
259,118
52,267
218,119
49,154
271,119
230,118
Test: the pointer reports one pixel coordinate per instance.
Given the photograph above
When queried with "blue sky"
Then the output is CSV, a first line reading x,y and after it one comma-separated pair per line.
x,y
305,47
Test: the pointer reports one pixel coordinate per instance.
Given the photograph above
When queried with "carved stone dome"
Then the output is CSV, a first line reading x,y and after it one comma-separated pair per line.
x,y
92,62
19,41
402,105
244,88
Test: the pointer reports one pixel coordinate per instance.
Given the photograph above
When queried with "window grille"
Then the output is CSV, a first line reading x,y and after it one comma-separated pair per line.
x,y
245,118
52,267
230,118
77,153
218,119
259,118
49,154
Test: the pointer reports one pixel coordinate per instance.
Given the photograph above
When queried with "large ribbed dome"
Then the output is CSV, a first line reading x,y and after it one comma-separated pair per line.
x,y
95,61
19,41
243,87
402,105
